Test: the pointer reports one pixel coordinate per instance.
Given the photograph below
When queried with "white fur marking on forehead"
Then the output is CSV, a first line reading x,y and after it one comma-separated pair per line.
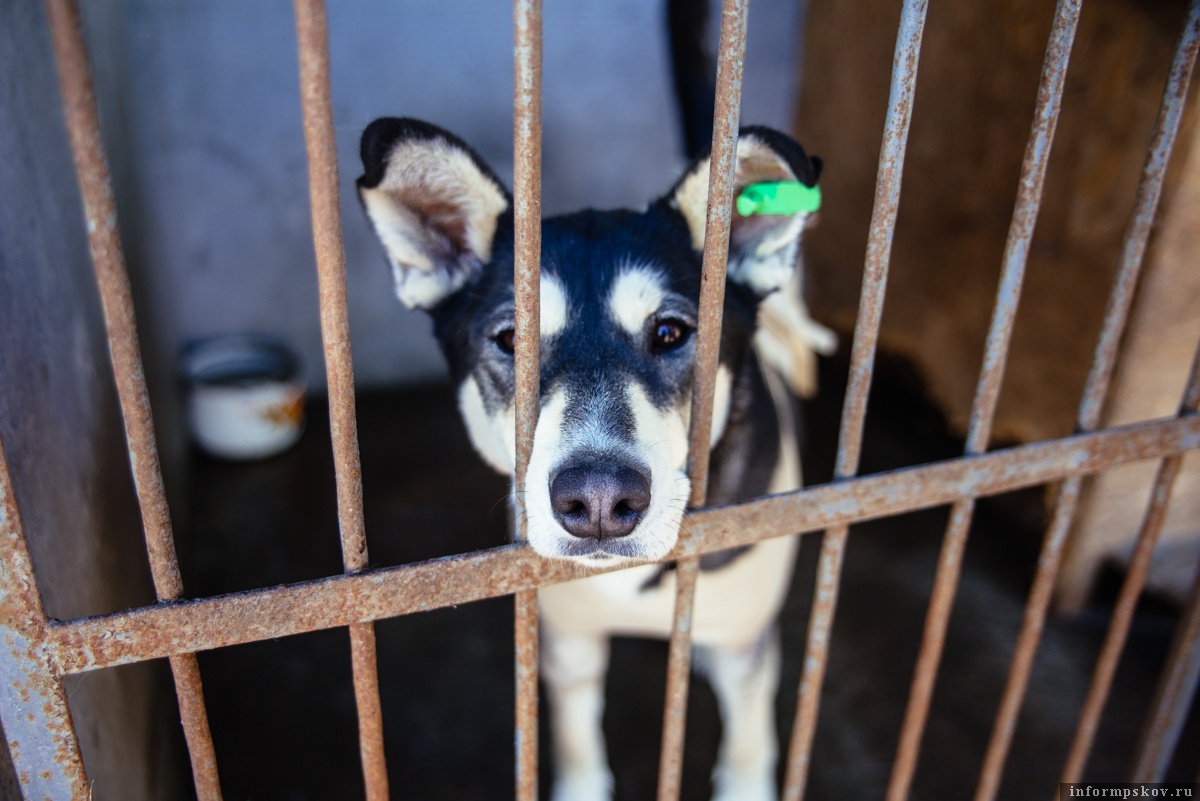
x,y
636,294
554,306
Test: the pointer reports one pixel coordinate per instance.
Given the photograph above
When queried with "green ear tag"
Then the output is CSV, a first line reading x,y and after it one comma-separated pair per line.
x,y
779,197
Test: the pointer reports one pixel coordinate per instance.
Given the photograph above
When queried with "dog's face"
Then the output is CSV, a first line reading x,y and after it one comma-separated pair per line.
x,y
619,290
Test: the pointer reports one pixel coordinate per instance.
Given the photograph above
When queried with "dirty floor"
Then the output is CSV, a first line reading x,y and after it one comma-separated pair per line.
x,y
282,712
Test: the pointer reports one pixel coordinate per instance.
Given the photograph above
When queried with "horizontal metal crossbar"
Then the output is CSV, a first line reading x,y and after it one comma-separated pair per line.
x,y
187,626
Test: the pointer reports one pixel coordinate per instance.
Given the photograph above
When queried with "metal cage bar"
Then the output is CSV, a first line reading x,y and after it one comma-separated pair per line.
x,y
1172,698
721,185
862,363
527,233
37,720
1094,395
50,649
195,625
987,393
116,298
313,45
1131,589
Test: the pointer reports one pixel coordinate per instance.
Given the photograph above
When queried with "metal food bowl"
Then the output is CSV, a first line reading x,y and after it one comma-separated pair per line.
x,y
245,395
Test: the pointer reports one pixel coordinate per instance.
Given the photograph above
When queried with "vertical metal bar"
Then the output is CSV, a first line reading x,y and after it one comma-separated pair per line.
x,y
527,202
108,261
33,702
1016,253
1095,392
721,186
313,45
862,361
1135,580
1172,698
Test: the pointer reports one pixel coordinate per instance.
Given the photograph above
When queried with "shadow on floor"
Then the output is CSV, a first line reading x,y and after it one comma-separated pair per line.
x,y
282,712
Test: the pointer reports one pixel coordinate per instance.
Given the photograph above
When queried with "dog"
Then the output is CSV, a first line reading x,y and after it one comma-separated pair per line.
x,y
606,482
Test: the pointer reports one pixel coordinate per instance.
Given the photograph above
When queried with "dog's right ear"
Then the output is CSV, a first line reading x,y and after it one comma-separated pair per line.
x,y
433,204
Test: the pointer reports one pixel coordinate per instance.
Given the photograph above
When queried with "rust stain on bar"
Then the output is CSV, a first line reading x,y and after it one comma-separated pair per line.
x,y
721,179
313,40
108,261
1016,251
166,629
862,360
527,210
364,663
1135,580
1095,392
116,298
186,671
722,176
320,143
33,702
1172,698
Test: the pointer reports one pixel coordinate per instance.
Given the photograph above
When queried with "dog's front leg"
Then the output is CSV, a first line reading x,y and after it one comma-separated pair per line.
x,y
745,680
573,668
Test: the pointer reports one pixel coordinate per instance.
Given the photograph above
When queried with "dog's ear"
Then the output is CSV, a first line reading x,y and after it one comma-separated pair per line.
x,y
764,238
433,204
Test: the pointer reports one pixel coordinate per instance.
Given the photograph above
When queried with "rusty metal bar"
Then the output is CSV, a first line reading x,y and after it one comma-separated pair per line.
x,y
1135,580
188,626
1092,403
987,393
116,298
722,176
33,701
862,364
527,209
1172,698
313,45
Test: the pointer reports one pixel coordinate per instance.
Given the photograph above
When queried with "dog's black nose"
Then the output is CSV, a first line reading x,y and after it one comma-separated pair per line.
x,y
599,500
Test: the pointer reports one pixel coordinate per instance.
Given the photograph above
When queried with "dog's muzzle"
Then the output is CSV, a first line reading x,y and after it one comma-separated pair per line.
x,y
599,499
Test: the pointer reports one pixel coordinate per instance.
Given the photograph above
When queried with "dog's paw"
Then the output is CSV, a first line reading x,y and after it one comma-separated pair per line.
x,y
730,786
583,786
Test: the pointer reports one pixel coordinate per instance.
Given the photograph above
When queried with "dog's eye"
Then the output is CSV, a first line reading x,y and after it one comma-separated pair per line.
x,y
506,340
669,334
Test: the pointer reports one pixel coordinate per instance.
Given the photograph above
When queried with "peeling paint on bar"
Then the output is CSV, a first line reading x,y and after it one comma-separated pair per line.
x,y
33,701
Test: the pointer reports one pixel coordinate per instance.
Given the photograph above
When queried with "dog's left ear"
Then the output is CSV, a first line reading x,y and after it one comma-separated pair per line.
x,y
764,244
434,205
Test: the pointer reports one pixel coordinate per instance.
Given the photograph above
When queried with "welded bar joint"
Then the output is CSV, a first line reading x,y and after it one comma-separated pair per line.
x,y
33,702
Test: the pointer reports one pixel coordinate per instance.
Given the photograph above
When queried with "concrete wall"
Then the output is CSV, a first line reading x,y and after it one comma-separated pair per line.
x,y
60,424
213,147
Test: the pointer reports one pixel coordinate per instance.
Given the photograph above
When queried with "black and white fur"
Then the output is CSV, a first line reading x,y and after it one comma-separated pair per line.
x,y
606,482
